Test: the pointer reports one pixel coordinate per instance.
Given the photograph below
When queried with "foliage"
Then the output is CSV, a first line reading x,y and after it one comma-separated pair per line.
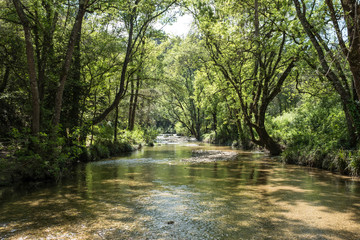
x,y
180,129
313,134
106,149
150,135
41,157
341,161
104,132
184,92
254,55
314,124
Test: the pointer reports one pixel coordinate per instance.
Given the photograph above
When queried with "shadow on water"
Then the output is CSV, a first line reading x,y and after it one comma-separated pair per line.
x,y
152,194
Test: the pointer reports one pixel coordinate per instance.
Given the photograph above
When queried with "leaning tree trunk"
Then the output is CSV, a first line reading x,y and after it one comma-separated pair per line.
x,y
116,119
351,10
352,116
122,87
68,57
268,142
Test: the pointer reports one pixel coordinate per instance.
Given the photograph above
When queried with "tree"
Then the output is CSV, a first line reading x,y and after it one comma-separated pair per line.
x,y
182,95
351,50
254,53
31,67
330,64
137,16
40,56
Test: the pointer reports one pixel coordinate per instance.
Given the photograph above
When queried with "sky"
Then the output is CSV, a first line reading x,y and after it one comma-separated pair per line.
x,y
181,27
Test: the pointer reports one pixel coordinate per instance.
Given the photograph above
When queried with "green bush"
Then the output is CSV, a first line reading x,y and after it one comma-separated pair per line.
x,y
313,133
103,131
7,171
348,162
226,134
344,162
50,156
314,124
354,165
150,135
106,149
209,137
291,156
181,130
41,157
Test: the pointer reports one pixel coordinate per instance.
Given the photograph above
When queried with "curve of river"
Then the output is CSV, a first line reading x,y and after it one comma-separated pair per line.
x,y
153,194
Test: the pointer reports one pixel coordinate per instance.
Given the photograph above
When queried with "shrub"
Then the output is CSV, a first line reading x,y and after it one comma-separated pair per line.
x,y
354,165
106,149
344,162
7,171
180,129
340,162
150,135
315,124
209,137
290,156
41,157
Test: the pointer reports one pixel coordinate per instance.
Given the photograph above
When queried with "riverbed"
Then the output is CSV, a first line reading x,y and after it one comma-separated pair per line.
x,y
154,194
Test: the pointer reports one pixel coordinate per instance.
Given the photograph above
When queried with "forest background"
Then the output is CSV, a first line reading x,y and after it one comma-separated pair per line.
x,y
89,79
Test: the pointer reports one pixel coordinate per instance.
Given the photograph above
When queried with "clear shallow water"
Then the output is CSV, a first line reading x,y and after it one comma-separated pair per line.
x,y
152,194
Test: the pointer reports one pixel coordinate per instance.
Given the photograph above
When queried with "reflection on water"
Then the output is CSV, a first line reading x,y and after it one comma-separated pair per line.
x,y
152,194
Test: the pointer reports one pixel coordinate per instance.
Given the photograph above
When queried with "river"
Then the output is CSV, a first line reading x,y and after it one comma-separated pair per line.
x,y
154,194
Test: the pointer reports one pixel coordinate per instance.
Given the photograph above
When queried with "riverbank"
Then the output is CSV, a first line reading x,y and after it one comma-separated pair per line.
x,y
19,164
153,194
22,165
345,162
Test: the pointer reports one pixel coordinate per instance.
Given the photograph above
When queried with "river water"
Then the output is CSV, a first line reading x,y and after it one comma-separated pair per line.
x,y
153,194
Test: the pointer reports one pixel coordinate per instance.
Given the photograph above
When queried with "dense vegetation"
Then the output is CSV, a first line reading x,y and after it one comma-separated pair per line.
x,y
83,80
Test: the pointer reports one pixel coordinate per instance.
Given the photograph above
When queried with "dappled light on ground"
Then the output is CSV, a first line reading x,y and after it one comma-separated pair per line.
x,y
153,194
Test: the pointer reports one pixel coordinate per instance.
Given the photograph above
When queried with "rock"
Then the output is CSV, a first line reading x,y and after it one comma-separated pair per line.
x,y
211,156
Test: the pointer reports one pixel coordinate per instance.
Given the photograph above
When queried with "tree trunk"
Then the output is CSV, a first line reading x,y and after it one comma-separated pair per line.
x,y
121,92
133,114
116,123
47,52
244,140
31,67
355,70
343,91
94,115
5,79
350,126
68,57
351,10
268,142
214,115
76,88
131,104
